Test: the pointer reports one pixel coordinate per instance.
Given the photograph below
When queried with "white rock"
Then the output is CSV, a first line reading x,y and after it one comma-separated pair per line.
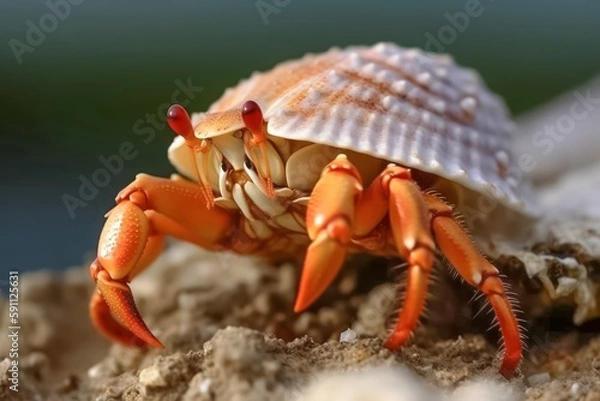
x,y
575,388
4,366
489,390
539,379
151,377
205,386
373,384
387,383
348,336
566,285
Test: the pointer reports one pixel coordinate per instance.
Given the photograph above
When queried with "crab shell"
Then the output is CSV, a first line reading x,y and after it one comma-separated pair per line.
x,y
384,102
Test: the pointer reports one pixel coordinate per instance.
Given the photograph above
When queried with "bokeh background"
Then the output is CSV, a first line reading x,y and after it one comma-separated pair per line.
x,y
78,94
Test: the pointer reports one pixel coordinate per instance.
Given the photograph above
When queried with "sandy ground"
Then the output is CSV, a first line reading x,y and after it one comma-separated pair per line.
x,y
230,334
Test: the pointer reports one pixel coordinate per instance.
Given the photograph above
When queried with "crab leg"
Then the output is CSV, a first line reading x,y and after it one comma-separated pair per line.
x,y
477,271
335,215
339,210
413,240
147,210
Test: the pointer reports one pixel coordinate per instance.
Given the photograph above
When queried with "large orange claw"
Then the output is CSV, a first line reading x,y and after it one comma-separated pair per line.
x,y
133,236
120,248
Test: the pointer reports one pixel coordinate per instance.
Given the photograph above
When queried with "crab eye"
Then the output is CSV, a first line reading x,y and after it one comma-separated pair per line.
x,y
224,166
248,163
252,116
180,122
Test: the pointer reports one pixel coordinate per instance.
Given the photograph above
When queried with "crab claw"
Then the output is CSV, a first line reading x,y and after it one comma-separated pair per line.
x,y
106,324
148,210
329,222
116,296
122,244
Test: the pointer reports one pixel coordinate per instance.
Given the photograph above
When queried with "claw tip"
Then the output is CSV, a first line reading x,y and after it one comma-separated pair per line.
x,y
302,303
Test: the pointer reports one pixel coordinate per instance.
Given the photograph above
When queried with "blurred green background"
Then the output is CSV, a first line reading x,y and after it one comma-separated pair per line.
x,y
77,95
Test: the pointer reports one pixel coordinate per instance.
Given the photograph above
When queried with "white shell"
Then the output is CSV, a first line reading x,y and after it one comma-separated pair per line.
x,y
403,105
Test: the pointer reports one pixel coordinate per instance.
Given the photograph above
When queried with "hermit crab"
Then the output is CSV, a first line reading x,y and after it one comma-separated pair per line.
x,y
354,150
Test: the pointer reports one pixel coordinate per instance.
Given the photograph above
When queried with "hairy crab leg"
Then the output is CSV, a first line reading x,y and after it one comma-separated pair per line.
x,y
147,210
394,192
456,245
339,210
413,239
329,219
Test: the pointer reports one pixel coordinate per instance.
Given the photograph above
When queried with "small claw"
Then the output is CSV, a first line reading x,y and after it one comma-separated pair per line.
x,y
119,299
329,219
324,259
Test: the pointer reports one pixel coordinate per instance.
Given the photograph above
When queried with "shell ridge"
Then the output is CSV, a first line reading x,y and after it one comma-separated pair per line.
x,y
412,108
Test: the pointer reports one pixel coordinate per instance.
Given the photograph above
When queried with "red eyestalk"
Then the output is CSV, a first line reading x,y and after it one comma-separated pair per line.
x,y
253,120
180,122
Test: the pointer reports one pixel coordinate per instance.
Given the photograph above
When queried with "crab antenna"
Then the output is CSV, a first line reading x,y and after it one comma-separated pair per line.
x,y
180,122
253,120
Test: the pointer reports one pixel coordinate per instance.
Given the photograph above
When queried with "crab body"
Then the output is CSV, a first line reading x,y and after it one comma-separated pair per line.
x,y
356,150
